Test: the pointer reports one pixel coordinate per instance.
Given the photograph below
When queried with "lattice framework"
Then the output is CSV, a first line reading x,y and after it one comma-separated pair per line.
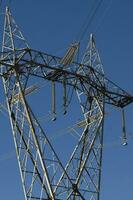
x,y
80,178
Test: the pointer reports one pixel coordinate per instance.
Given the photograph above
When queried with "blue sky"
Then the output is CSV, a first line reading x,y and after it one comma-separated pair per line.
x,y
50,26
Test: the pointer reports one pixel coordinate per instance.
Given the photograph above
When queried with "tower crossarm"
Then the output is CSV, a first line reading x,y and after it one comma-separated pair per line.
x,y
49,67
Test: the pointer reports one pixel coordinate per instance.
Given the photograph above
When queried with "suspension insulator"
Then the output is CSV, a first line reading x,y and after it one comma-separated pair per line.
x,y
53,102
64,95
124,137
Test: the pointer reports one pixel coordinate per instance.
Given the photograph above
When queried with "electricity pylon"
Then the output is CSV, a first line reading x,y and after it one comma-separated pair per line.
x,y
80,178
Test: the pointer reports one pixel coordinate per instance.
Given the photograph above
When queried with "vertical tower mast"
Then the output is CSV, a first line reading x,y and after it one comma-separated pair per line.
x,y
84,166
30,140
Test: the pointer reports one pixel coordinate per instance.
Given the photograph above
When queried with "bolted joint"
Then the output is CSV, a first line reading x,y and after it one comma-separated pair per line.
x,y
75,189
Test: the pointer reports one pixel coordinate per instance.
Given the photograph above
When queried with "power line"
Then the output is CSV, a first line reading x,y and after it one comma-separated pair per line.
x,y
103,16
91,17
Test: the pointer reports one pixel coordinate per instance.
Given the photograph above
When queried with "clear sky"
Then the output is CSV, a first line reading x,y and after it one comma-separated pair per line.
x,y
50,26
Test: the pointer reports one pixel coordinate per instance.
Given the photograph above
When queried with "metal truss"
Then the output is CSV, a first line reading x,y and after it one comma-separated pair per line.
x,y
80,178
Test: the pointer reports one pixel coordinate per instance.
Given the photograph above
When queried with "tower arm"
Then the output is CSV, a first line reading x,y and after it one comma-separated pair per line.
x,y
49,67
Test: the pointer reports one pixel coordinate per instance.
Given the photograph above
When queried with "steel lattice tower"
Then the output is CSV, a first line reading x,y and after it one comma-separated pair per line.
x,y
80,178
